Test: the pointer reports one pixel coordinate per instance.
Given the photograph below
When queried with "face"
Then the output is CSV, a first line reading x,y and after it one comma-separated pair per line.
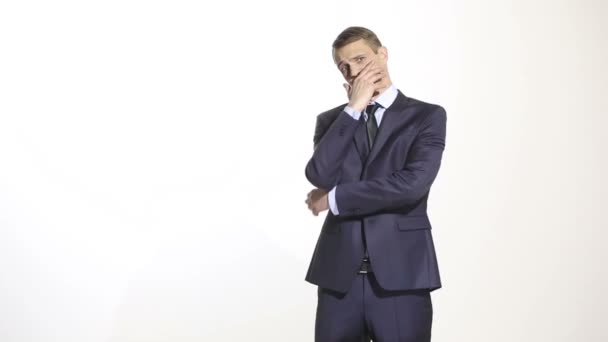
x,y
351,58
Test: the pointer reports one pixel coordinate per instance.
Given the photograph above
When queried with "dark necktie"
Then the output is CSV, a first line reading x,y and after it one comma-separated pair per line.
x,y
372,124
372,129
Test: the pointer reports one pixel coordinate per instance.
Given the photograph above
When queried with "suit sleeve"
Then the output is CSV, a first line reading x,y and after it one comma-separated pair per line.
x,y
330,147
402,187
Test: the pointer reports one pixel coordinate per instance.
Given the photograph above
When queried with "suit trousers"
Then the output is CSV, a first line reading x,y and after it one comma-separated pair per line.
x,y
369,313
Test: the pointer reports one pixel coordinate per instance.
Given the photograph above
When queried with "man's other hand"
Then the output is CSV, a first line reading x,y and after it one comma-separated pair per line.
x,y
317,201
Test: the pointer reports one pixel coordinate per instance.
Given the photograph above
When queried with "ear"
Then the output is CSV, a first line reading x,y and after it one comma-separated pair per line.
x,y
383,52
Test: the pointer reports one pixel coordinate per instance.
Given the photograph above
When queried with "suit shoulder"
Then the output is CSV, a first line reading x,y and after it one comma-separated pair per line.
x,y
426,111
423,106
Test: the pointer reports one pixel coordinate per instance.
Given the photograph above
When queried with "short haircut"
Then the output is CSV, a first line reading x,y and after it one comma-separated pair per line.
x,y
354,33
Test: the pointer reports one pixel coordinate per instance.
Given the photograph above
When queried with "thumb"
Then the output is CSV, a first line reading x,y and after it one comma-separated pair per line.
x,y
347,88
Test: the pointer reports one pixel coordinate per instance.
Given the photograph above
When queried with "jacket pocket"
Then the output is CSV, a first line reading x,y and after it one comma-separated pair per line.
x,y
413,222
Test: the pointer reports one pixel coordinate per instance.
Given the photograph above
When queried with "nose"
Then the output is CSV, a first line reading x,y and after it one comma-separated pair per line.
x,y
354,71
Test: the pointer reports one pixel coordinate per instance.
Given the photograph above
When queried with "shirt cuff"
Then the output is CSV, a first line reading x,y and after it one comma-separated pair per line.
x,y
331,198
352,112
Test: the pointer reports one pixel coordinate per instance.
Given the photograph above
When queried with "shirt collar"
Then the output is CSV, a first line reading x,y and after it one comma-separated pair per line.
x,y
387,97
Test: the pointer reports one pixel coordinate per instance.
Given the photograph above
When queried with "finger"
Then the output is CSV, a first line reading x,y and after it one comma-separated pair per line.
x,y
348,88
367,68
373,79
364,70
377,77
371,74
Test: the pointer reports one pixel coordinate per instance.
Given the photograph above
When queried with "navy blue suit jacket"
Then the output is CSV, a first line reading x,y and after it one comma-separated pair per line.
x,y
384,190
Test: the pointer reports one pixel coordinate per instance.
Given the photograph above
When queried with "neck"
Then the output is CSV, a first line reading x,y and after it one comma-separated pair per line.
x,y
381,90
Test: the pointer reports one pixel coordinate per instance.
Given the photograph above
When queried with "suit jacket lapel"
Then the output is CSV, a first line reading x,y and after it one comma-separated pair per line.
x,y
389,122
360,139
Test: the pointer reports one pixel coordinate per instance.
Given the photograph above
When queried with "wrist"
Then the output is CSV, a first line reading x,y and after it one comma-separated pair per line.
x,y
356,106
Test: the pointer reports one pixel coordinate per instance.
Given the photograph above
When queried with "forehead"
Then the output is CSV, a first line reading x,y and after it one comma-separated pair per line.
x,y
351,50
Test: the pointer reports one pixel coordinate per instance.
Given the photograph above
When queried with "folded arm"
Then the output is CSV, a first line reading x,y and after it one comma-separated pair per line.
x,y
402,187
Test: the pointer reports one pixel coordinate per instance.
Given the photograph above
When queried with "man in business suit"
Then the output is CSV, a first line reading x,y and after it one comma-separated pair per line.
x,y
373,164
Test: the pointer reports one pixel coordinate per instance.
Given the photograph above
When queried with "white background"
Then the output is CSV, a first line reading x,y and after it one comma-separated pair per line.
x,y
152,161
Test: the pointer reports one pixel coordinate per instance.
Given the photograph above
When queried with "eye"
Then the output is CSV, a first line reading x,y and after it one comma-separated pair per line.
x,y
359,59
